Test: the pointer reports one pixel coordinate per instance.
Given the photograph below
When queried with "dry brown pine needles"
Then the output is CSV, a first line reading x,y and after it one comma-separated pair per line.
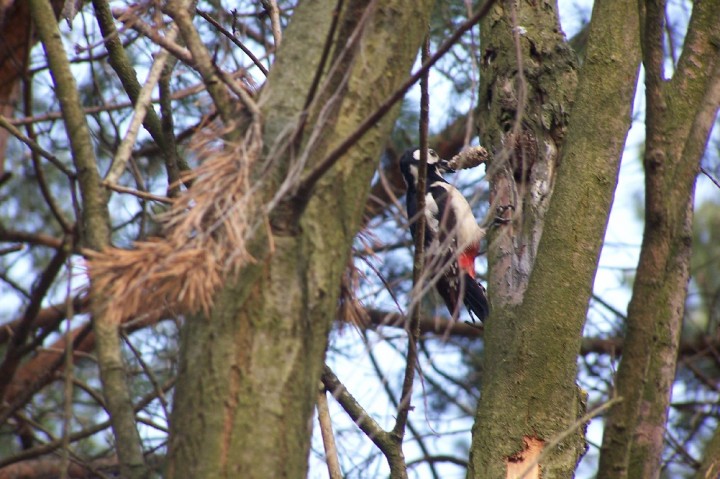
x,y
205,237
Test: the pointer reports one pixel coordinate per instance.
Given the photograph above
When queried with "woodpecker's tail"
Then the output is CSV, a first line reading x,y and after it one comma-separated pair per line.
x,y
469,292
475,298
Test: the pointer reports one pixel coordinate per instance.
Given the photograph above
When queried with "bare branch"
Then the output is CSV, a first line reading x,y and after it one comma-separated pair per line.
x,y
418,260
710,176
15,349
233,39
382,439
122,155
132,21
271,7
5,123
202,61
140,194
121,63
331,455
309,180
29,238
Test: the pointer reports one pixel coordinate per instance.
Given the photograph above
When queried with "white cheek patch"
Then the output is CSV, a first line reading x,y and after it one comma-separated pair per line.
x,y
432,156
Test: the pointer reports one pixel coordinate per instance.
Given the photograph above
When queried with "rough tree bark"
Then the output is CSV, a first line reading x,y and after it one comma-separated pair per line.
x,y
249,372
527,88
680,115
95,234
529,396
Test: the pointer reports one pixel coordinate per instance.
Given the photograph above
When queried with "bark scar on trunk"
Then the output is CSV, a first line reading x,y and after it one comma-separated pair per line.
x,y
524,464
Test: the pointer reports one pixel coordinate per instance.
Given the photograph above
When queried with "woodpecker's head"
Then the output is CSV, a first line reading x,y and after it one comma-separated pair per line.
x,y
410,163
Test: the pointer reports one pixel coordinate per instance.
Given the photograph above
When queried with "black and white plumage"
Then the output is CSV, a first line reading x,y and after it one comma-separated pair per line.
x,y
452,236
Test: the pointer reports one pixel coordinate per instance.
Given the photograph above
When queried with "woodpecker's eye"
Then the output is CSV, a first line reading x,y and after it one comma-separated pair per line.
x,y
432,156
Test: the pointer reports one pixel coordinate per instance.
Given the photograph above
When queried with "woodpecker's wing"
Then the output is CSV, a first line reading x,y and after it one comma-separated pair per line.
x,y
473,294
475,297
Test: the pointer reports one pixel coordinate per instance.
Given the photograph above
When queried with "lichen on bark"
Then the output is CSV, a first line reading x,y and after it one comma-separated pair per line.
x,y
249,372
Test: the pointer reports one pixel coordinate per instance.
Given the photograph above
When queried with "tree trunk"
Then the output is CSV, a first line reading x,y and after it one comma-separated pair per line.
x,y
529,397
249,372
680,114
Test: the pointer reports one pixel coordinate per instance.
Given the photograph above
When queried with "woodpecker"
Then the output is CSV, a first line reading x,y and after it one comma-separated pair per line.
x,y
452,236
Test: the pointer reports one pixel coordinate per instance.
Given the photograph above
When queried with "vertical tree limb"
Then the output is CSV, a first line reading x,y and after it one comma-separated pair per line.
x,y
679,117
95,234
271,7
413,328
118,58
529,390
261,351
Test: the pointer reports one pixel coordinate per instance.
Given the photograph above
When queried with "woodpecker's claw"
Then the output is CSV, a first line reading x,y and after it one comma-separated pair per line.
x,y
500,211
473,325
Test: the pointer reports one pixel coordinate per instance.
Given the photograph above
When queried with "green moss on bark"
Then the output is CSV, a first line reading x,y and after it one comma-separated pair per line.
x,y
261,352
532,340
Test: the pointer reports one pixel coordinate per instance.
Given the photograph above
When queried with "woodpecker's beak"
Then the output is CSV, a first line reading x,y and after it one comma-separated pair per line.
x,y
444,166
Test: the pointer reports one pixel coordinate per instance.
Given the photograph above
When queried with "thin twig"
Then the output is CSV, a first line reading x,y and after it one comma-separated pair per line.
x,y
5,123
140,194
309,180
398,461
419,259
331,454
131,20
109,107
66,225
241,91
233,39
14,350
76,436
710,177
124,151
148,372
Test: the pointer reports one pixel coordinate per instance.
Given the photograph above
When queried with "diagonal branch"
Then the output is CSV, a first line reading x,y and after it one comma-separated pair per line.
x,y
13,355
381,438
202,61
129,19
328,437
142,106
308,181
233,39
120,62
35,147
